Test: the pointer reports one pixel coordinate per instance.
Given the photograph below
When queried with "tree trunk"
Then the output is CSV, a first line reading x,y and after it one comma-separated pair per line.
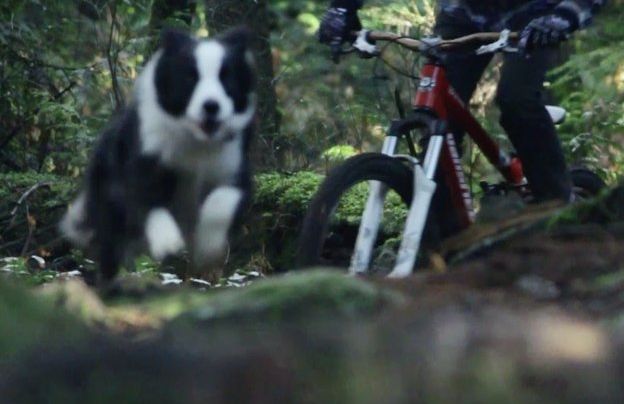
x,y
224,14
169,13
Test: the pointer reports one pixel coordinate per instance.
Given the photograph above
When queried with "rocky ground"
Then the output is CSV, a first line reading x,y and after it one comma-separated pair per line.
x,y
525,310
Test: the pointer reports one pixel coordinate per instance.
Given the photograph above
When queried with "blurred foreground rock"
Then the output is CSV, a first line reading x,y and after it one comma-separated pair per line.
x,y
535,318
277,341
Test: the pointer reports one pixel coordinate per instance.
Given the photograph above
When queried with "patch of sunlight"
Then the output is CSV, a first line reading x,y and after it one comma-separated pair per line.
x,y
378,131
339,152
349,92
561,340
405,14
618,78
162,308
310,21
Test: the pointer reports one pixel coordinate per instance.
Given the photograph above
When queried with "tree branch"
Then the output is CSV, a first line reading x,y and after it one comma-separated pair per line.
x,y
26,194
112,56
22,124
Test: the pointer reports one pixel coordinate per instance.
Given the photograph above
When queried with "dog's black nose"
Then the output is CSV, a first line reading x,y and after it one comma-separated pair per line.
x,y
211,108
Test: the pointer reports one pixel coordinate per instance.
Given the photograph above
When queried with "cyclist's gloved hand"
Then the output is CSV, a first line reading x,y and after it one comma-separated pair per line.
x,y
548,30
337,26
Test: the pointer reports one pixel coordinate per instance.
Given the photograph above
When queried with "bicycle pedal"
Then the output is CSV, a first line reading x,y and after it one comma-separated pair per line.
x,y
497,207
500,189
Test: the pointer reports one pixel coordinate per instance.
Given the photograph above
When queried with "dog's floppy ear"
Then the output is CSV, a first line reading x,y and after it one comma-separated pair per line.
x,y
174,40
237,38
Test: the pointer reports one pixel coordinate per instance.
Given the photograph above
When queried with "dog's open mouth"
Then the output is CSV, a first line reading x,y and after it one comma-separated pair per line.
x,y
210,126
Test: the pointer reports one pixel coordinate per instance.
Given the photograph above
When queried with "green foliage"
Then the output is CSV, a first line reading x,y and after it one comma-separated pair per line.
x,y
15,184
606,208
351,208
286,194
281,195
17,269
324,104
31,205
338,153
279,205
64,67
591,86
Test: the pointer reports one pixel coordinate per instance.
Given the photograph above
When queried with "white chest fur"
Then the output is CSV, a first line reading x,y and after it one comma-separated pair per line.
x,y
215,162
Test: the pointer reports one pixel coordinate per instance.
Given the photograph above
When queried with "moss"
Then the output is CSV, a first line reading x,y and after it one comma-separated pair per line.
x,y
279,206
286,193
607,282
291,193
298,297
15,184
28,321
604,209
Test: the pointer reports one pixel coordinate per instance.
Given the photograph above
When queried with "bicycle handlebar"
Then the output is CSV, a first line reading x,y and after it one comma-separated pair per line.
x,y
491,42
418,45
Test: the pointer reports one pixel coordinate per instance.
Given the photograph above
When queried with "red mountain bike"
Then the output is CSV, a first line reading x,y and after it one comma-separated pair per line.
x,y
435,104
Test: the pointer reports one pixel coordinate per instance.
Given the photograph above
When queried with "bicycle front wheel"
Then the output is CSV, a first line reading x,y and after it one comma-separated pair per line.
x,y
328,236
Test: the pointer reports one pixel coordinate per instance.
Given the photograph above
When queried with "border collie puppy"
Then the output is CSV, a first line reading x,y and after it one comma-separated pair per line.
x,y
171,173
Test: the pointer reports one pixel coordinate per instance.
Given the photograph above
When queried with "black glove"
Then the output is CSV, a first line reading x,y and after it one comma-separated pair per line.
x,y
337,26
548,30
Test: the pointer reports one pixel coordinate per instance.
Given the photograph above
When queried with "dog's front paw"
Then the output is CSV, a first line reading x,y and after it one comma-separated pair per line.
x,y
216,216
163,234
72,226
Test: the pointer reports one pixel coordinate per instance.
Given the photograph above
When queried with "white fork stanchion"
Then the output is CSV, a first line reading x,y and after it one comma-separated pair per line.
x,y
414,225
424,188
371,218
369,227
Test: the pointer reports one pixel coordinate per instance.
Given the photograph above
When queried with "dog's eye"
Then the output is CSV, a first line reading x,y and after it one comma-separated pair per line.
x,y
224,74
191,77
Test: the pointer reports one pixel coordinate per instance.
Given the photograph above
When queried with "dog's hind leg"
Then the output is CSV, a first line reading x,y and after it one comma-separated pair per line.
x,y
111,241
216,216
110,257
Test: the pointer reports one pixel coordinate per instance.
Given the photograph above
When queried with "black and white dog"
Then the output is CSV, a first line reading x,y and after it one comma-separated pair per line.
x,y
172,172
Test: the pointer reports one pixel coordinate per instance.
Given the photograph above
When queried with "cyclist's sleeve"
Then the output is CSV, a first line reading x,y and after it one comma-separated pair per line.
x,y
348,4
581,10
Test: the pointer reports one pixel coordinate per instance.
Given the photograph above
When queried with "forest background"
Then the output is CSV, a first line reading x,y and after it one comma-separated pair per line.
x,y
66,66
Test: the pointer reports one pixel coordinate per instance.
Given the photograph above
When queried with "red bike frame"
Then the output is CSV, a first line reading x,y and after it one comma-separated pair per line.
x,y
435,95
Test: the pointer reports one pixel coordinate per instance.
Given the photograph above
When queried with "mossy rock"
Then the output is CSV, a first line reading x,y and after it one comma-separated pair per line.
x,y
279,205
117,371
298,297
604,209
28,321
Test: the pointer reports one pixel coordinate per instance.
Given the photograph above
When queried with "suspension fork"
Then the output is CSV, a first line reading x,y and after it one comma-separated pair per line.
x,y
372,216
424,188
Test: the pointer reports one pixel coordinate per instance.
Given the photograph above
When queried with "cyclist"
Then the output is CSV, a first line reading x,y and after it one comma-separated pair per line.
x,y
543,25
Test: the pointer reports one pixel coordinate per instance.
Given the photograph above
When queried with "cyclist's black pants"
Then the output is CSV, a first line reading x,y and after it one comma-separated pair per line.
x,y
521,102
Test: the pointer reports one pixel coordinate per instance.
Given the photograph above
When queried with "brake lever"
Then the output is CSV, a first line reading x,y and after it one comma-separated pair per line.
x,y
364,47
428,43
501,44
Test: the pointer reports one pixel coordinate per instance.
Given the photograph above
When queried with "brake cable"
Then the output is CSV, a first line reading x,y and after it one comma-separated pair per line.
x,y
392,67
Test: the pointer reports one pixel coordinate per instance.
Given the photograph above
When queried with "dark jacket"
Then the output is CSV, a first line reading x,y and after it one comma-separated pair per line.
x,y
496,13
